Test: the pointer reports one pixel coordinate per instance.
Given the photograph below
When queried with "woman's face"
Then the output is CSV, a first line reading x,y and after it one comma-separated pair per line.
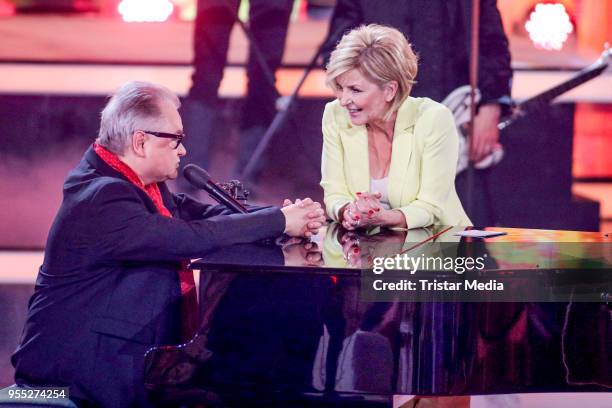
x,y
365,101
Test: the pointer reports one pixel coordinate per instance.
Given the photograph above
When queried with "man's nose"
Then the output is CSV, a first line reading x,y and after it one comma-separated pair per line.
x,y
182,150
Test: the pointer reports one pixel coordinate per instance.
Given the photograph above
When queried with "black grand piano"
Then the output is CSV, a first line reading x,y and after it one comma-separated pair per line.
x,y
294,324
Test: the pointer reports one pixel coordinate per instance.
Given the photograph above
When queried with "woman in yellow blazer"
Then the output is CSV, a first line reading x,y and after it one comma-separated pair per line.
x,y
388,159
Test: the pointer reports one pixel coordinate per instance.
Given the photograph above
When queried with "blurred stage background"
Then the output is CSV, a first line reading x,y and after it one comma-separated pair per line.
x,y
59,59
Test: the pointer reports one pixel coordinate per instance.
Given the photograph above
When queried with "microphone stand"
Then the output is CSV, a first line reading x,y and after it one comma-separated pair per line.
x,y
279,119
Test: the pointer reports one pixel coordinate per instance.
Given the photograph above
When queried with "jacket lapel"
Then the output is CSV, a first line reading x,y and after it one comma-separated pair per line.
x,y
355,144
401,153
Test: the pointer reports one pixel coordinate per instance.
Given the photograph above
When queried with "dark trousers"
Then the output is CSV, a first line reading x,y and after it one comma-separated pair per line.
x,y
268,22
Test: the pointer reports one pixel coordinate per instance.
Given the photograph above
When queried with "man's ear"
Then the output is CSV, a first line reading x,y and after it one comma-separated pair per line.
x,y
390,89
138,141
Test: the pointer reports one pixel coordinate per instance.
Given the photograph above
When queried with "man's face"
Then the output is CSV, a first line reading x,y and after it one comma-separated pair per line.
x,y
162,159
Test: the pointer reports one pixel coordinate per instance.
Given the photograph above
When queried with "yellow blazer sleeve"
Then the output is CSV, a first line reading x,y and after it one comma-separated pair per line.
x,y
333,181
440,144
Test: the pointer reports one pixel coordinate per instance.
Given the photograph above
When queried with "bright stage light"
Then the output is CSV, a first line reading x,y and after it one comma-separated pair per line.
x,y
549,26
145,10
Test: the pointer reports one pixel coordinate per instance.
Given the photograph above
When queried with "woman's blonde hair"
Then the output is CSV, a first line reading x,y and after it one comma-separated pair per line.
x,y
381,54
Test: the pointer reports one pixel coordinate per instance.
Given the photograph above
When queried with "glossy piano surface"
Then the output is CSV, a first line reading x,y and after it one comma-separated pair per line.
x,y
350,251
286,325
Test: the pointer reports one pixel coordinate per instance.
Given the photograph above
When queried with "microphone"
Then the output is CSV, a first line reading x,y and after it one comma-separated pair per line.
x,y
198,177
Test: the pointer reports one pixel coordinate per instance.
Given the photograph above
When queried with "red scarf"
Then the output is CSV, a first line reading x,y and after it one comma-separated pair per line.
x,y
188,289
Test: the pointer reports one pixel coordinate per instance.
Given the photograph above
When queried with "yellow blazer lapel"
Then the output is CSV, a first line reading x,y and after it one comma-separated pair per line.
x,y
355,144
402,149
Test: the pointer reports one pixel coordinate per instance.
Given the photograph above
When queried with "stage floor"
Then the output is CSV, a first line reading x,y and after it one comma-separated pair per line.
x,y
89,38
87,54
100,79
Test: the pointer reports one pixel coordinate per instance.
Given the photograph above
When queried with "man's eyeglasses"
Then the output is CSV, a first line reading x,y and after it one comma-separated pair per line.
x,y
178,138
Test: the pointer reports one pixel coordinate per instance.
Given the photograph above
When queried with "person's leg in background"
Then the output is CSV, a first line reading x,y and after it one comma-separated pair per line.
x,y
269,23
213,26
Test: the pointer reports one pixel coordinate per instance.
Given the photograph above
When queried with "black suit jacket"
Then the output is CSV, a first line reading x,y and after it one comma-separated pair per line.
x,y
422,20
108,288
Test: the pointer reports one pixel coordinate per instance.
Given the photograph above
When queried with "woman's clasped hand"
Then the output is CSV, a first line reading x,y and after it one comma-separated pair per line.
x,y
364,211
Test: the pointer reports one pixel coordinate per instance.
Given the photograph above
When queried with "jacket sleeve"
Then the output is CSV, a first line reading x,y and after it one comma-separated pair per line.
x,y
346,16
438,164
333,181
190,209
495,72
126,231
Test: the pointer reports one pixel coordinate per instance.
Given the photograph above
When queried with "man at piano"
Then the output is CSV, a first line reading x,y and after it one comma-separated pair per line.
x,y
114,280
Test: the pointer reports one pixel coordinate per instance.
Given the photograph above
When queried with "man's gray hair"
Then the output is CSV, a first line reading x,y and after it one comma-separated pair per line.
x,y
133,107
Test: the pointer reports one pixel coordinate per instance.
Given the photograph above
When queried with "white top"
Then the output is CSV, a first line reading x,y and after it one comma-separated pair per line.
x,y
381,186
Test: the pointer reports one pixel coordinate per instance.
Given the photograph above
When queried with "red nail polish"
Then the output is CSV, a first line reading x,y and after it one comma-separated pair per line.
x,y
377,209
357,216
359,193
370,212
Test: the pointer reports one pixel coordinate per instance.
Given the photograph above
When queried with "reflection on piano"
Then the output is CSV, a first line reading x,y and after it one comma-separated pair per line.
x,y
286,326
